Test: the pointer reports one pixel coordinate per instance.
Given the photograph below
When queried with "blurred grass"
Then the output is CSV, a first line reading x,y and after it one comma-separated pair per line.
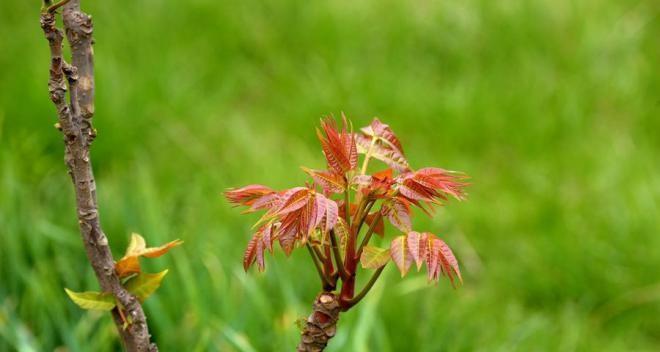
x,y
551,107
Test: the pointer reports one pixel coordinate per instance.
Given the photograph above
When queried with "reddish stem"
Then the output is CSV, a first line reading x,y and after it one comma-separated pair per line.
x,y
337,253
327,262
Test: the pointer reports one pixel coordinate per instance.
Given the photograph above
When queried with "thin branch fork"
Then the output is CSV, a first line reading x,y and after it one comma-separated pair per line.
x,y
74,121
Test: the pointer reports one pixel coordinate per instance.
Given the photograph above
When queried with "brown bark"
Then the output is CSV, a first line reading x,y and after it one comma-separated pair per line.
x,y
321,325
75,123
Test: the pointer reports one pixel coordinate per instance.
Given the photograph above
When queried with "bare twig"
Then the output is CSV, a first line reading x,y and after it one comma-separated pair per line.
x,y
75,124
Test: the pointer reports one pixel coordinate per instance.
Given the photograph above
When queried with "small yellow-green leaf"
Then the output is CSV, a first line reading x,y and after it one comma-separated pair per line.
x,y
137,247
143,285
127,266
92,300
374,257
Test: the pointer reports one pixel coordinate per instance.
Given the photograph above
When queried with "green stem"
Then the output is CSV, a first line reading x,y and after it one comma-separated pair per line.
x,y
326,261
363,216
335,249
355,300
324,279
370,232
347,208
320,255
368,156
52,8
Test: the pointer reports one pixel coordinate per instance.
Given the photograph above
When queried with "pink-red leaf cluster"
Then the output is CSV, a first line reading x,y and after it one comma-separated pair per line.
x,y
425,248
379,141
338,146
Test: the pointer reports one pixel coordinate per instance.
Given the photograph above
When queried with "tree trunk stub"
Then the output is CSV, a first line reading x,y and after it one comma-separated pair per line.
x,y
321,325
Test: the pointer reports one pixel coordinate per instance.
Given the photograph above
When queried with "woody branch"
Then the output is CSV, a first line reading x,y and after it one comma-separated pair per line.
x,y
75,123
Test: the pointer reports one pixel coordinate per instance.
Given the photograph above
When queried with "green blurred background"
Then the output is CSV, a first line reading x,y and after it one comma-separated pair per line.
x,y
550,105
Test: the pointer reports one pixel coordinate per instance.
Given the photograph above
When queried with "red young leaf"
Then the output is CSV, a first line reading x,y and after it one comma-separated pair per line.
x,y
448,261
338,146
298,213
440,258
293,199
287,239
449,182
417,247
398,212
332,213
250,252
267,202
383,175
268,237
306,218
431,258
362,180
255,249
261,265
317,211
413,191
247,195
374,186
400,254
379,141
384,132
330,181
431,185
348,140
379,228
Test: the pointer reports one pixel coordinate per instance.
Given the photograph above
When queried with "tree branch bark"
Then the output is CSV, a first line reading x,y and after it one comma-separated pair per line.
x,y
74,121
